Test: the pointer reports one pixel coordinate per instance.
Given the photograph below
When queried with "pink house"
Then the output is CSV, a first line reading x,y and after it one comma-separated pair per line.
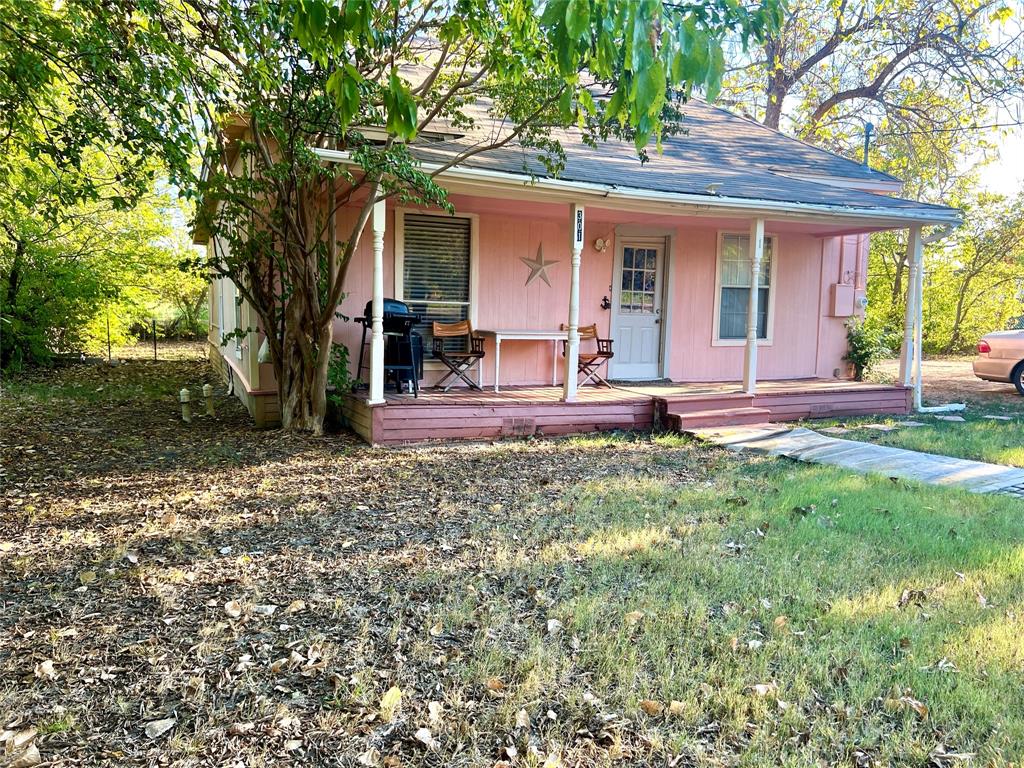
x,y
724,271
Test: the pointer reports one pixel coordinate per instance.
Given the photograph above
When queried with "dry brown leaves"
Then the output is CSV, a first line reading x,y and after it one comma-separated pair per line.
x,y
214,595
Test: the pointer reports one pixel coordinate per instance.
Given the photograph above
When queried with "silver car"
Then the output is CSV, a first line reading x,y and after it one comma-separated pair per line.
x,y
1001,358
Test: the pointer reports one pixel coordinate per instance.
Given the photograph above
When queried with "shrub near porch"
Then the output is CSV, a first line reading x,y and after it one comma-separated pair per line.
x,y
774,613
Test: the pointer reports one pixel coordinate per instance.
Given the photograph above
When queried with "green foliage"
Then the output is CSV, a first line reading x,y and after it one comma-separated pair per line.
x,y
974,279
865,346
339,378
71,272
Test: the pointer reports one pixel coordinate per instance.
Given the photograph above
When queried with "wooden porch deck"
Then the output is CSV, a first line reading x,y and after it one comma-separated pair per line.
x,y
523,411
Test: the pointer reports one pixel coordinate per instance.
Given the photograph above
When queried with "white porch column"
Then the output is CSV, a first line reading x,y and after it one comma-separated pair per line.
x,y
918,323
756,256
908,354
377,310
572,351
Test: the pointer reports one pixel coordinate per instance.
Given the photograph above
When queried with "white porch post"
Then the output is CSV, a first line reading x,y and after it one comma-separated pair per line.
x,y
756,256
377,310
908,353
572,351
918,323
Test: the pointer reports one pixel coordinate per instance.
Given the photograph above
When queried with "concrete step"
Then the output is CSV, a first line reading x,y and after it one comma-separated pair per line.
x,y
720,417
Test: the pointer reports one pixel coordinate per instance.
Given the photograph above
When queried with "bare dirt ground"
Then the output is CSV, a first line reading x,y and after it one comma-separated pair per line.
x,y
951,380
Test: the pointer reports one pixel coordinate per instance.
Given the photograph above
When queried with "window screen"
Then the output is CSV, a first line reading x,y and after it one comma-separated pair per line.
x,y
435,273
734,266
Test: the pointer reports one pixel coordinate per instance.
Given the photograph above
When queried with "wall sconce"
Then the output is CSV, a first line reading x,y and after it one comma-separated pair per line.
x,y
601,245
605,303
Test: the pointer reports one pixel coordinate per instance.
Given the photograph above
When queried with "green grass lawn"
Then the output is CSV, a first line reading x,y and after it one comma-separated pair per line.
x,y
1000,442
775,614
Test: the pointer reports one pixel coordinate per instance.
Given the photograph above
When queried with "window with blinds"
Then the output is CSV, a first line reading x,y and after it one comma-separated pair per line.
x,y
435,270
734,278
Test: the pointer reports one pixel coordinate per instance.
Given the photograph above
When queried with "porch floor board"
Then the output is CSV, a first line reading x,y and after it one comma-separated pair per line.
x,y
518,411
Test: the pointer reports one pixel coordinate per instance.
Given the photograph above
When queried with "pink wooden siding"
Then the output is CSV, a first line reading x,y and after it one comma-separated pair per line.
x,y
808,341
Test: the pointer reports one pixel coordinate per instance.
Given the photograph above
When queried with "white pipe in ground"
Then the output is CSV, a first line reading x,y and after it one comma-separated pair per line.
x,y
208,396
185,397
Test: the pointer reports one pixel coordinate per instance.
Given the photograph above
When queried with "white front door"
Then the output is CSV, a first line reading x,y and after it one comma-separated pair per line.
x,y
637,307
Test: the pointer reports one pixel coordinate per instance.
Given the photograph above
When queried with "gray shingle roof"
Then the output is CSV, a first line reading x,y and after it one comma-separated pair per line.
x,y
744,159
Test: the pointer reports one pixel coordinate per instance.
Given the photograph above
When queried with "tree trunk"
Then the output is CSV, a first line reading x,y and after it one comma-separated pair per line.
x,y
302,376
958,318
13,285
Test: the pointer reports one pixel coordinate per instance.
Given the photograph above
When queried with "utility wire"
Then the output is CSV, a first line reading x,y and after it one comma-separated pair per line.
x,y
930,131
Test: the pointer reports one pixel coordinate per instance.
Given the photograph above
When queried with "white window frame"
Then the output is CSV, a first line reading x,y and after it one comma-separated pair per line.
x,y
474,261
716,341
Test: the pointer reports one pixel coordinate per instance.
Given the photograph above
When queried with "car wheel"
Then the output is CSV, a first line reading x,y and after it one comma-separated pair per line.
x,y
1018,378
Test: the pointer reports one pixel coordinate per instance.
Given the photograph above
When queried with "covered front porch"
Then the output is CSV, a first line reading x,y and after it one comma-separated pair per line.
x,y
742,305
542,410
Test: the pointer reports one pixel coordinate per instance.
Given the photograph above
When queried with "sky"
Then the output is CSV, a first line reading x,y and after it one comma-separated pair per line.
x,y
1006,175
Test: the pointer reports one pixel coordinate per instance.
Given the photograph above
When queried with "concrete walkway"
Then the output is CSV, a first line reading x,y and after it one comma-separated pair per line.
x,y
806,445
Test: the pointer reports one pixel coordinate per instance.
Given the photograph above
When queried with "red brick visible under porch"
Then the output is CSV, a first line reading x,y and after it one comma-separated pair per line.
x,y
523,411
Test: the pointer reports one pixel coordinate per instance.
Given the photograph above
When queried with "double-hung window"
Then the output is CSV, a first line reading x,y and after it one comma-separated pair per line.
x,y
734,288
435,269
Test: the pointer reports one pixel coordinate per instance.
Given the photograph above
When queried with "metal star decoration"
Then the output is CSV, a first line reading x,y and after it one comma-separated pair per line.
x,y
538,267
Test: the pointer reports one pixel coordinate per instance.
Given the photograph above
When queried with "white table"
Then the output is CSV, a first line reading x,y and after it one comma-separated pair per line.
x,y
519,334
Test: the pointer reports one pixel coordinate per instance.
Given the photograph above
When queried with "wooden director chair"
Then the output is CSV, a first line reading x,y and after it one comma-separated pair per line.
x,y
458,363
590,363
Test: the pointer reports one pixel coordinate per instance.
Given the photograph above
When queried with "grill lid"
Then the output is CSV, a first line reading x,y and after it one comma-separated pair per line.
x,y
392,308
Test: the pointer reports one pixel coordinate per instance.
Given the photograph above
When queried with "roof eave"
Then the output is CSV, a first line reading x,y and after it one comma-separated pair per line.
x,y
561,190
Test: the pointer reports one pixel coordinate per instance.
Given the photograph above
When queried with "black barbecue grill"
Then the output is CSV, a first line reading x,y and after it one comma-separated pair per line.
x,y
403,347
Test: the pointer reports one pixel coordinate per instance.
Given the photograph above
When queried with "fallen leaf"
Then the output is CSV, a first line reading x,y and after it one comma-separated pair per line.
x,y
27,758
233,608
425,737
435,709
295,606
522,719
765,689
158,728
652,707
390,703
370,757
87,577
554,626
634,617
264,610
676,707
240,729
781,622
45,670
292,744
494,684
919,708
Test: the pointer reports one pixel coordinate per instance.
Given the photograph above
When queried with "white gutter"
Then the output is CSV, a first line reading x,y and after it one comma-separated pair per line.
x,y
702,202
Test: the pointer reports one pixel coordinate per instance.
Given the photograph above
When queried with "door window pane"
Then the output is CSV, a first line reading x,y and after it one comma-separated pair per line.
x,y
639,280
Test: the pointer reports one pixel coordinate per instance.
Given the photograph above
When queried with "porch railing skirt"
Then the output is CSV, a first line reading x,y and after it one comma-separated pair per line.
x,y
527,411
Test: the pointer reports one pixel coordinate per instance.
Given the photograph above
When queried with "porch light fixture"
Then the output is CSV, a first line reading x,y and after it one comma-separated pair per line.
x,y
600,245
